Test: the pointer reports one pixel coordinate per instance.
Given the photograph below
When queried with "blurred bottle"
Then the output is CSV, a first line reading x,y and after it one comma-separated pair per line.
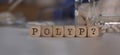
x,y
7,18
20,20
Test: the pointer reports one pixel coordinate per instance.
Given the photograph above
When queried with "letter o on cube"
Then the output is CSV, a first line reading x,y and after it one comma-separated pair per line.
x,y
46,31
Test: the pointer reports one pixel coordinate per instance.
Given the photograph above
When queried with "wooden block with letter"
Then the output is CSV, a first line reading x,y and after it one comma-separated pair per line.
x,y
46,31
58,31
81,31
69,31
35,31
93,31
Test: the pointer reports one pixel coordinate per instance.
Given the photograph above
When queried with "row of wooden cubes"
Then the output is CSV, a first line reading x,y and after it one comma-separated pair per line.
x,y
64,31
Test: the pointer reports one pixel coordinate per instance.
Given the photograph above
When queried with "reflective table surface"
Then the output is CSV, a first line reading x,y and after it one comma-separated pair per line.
x,y
16,41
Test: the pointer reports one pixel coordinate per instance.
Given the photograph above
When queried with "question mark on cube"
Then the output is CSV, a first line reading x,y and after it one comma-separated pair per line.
x,y
93,31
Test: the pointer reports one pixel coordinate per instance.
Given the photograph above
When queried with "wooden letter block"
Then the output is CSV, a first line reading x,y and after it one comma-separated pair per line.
x,y
46,31
35,31
81,31
69,31
58,31
93,31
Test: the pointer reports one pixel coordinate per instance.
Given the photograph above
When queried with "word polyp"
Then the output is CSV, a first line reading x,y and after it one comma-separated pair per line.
x,y
64,31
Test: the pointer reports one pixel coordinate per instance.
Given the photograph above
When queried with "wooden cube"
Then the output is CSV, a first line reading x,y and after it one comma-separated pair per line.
x,y
46,31
35,31
69,31
93,31
58,31
81,31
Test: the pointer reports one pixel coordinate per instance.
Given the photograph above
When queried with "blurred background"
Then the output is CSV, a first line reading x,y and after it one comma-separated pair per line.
x,y
39,10
17,16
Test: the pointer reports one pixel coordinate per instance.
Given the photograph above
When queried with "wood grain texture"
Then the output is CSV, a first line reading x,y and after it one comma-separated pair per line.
x,y
81,31
69,31
35,31
47,31
58,31
93,31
